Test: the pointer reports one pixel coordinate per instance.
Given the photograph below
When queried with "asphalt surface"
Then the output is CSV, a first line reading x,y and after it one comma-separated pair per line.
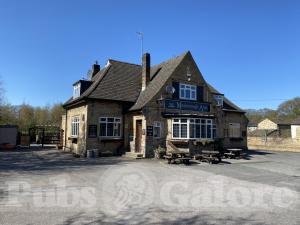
x,y
50,187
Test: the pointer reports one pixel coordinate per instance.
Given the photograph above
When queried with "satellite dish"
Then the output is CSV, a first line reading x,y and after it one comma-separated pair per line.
x,y
170,89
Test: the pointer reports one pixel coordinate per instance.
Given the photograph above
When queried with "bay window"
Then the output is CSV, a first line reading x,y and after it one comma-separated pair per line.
x,y
110,126
188,92
191,128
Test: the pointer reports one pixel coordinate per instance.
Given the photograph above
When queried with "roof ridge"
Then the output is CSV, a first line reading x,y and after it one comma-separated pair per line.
x,y
170,59
134,64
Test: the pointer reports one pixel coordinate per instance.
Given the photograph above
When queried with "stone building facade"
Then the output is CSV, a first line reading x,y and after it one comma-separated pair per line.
x,y
137,108
267,124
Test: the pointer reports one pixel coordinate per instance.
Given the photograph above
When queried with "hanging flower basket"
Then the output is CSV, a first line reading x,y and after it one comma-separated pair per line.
x,y
203,142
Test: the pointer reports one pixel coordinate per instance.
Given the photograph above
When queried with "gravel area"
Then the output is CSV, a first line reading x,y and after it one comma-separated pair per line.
x,y
47,186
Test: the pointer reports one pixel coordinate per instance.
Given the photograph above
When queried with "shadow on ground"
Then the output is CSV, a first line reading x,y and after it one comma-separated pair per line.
x,y
39,159
160,217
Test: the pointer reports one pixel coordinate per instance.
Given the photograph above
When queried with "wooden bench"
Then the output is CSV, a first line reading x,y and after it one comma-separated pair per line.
x,y
210,159
171,159
229,155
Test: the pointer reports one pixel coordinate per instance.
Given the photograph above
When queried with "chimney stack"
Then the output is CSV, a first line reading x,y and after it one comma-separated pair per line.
x,y
145,70
95,69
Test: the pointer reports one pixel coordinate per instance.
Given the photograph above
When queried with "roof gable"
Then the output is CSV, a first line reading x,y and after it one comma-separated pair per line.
x,y
159,79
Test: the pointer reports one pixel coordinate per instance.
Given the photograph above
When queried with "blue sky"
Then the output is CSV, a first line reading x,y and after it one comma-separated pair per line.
x,y
247,49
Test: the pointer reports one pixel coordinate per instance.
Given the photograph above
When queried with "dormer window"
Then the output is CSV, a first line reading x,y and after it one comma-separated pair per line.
x,y
76,90
219,99
188,92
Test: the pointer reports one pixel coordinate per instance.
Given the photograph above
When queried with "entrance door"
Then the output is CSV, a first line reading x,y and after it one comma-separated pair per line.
x,y
138,136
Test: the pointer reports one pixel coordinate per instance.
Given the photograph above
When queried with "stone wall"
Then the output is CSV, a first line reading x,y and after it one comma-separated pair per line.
x,y
78,146
153,112
274,144
98,109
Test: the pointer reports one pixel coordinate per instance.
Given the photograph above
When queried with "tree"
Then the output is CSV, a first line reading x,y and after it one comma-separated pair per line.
x,y
289,110
56,113
42,115
8,114
25,117
2,91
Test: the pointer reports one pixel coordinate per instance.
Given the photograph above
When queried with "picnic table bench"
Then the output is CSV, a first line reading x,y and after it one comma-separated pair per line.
x,y
234,153
178,157
208,156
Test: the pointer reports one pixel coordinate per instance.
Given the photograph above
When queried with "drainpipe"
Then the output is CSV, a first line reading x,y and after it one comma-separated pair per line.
x,y
66,128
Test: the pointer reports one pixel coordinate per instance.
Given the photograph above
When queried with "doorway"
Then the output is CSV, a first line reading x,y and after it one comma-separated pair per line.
x,y
138,135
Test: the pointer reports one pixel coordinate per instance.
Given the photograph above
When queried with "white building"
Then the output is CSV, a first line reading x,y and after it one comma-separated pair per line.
x,y
295,128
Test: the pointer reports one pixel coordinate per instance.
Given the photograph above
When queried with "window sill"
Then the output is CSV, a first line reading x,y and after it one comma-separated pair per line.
x,y
72,138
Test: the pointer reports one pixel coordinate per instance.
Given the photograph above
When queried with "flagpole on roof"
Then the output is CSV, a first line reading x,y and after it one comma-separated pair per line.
x,y
141,35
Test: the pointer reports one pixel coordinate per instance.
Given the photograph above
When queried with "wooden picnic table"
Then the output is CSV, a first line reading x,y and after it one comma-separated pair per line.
x,y
209,156
180,157
233,153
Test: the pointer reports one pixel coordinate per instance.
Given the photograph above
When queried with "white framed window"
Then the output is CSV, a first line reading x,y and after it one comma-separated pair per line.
x,y
219,99
75,126
234,130
110,126
188,92
76,90
193,128
156,129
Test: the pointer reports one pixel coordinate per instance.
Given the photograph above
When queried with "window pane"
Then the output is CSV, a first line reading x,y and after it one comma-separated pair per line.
x,y
183,120
192,130
198,131
176,120
156,132
193,95
209,131
110,119
117,130
176,130
102,129
110,129
183,130
182,93
203,131
187,94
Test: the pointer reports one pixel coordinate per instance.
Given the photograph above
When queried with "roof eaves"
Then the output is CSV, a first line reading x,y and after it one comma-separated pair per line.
x,y
90,89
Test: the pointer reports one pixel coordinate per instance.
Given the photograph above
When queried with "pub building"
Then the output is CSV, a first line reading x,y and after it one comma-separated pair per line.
x,y
133,109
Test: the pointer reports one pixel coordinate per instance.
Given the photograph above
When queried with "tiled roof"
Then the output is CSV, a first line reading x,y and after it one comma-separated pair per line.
x,y
227,105
165,70
296,121
121,81
118,81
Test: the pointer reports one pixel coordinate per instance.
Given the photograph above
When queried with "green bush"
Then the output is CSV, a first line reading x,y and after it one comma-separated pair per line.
x,y
159,152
